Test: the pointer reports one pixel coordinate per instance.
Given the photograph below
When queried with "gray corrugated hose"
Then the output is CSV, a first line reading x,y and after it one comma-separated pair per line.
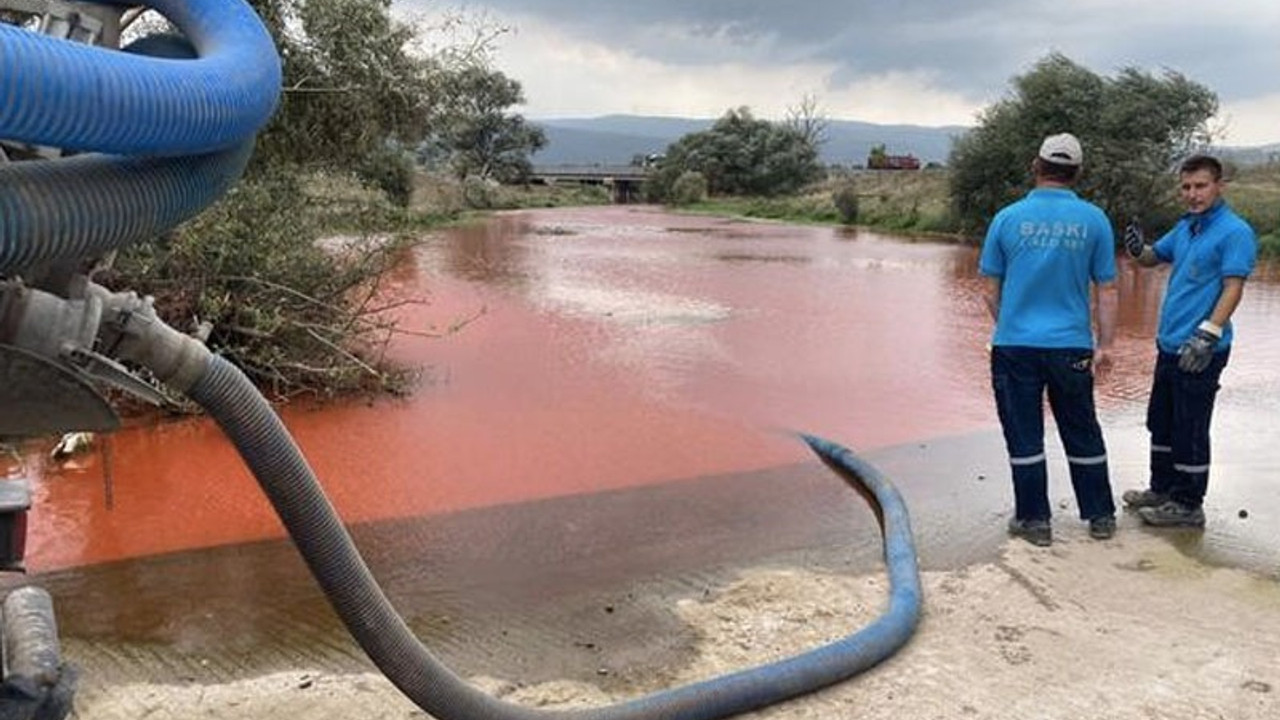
x,y
322,540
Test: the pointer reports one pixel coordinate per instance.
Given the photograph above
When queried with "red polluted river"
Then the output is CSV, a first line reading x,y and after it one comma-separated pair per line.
x,y
584,351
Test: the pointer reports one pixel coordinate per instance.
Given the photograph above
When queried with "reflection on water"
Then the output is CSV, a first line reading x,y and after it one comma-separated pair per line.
x,y
622,347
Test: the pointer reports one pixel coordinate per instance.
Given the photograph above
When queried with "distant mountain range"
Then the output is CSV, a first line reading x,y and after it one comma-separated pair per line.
x,y
1256,155
616,139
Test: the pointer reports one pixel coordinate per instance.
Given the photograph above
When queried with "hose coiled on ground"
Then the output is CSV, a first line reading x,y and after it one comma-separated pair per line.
x,y
257,432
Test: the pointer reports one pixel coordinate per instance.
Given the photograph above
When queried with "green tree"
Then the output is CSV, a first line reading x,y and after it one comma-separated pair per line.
x,y
474,134
1134,128
741,155
350,83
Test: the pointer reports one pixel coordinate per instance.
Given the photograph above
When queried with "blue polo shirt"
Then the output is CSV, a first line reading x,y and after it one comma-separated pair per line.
x,y
1204,248
1046,248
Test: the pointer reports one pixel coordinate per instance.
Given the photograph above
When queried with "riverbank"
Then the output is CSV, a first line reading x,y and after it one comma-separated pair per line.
x,y
1124,629
919,203
910,202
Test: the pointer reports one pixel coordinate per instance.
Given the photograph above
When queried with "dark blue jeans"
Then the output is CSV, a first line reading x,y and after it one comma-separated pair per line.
x,y
1178,416
1021,376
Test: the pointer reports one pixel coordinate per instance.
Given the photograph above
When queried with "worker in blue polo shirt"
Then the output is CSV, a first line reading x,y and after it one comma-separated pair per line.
x,y
1042,256
1212,251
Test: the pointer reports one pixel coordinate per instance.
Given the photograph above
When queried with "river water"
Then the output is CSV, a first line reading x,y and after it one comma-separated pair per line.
x,y
609,399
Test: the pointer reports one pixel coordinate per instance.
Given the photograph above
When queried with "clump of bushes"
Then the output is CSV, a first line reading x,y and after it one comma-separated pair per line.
x,y
845,198
289,280
689,189
390,170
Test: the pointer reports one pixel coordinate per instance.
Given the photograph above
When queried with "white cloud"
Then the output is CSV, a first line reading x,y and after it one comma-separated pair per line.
x,y
569,76
566,76
902,64
899,98
1251,122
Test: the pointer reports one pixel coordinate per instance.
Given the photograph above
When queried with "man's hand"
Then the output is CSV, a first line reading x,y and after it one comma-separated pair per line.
x,y
1197,351
1102,363
1134,242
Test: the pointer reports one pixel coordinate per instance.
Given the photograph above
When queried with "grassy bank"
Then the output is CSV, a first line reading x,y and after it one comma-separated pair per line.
x,y
898,201
442,197
1255,194
918,202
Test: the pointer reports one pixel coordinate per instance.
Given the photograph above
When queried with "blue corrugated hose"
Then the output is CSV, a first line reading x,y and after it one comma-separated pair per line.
x,y
174,134
84,98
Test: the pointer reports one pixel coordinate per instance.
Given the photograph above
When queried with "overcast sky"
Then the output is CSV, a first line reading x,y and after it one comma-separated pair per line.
x,y
922,62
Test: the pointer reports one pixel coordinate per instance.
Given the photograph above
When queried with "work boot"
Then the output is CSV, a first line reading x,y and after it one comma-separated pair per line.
x,y
1143,498
1172,514
1102,527
1036,532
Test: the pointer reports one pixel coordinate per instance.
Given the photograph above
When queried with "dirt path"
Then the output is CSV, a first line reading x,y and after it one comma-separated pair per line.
x,y
1125,629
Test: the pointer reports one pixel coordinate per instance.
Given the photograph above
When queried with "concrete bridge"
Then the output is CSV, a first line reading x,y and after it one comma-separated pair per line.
x,y
623,181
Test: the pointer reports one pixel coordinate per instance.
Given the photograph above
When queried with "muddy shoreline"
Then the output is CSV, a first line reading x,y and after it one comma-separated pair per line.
x,y
1085,629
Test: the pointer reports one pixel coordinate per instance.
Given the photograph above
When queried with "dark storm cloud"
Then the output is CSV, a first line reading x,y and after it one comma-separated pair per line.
x,y
973,48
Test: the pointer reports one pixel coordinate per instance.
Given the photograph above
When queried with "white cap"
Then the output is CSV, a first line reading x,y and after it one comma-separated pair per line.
x,y
1062,149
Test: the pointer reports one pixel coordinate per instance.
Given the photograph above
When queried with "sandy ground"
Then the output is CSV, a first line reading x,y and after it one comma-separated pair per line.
x,y
1128,628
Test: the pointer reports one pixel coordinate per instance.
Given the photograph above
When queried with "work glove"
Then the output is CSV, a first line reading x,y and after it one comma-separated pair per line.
x,y
1134,242
1197,351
